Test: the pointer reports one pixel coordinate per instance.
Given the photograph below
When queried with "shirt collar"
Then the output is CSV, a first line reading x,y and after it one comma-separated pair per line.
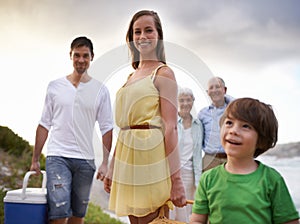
x,y
194,120
227,100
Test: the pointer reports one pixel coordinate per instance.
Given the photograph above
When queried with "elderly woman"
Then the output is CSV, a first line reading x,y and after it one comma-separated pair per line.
x,y
190,136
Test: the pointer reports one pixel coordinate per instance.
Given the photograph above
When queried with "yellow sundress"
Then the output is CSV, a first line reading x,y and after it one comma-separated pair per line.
x,y
141,178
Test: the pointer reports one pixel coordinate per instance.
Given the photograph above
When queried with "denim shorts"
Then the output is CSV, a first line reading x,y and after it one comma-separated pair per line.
x,y
69,184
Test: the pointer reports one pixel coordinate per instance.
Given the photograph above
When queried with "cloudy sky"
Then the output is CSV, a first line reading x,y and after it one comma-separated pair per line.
x,y
253,45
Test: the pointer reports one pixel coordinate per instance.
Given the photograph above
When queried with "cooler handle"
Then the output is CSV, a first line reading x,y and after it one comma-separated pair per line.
x,y
25,181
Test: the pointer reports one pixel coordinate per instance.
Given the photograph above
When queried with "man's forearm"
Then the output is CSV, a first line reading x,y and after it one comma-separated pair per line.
x,y
106,145
40,139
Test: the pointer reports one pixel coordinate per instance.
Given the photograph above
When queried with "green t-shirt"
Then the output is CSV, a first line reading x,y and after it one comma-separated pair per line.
x,y
258,197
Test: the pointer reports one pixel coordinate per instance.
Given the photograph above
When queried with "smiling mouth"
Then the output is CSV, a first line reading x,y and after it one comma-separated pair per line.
x,y
142,44
81,65
215,94
233,142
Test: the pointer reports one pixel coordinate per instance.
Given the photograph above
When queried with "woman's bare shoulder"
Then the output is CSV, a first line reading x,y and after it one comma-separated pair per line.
x,y
166,71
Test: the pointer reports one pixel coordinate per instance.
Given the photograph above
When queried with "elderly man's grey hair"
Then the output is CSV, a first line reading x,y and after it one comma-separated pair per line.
x,y
185,91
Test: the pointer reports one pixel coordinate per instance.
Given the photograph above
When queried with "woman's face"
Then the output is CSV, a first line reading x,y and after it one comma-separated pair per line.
x,y
185,104
145,35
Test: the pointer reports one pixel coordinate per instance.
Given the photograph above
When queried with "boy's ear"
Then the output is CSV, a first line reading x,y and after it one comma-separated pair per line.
x,y
260,148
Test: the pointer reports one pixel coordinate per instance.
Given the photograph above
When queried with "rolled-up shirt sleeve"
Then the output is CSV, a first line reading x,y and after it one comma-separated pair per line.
x,y
47,114
104,113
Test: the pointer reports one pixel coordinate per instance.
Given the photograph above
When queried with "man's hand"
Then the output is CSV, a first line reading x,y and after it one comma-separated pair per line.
x,y
102,172
35,166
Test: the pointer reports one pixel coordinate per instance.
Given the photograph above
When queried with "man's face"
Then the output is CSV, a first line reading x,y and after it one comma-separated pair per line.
x,y
81,57
216,90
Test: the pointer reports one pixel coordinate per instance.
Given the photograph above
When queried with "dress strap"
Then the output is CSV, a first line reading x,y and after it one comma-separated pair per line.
x,y
127,79
153,76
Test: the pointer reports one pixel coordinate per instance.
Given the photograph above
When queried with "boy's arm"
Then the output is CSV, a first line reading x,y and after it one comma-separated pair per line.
x,y
296,221
198,218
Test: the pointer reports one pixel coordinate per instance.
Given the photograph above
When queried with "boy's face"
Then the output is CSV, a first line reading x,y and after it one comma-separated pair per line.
x,y
81,57
238,138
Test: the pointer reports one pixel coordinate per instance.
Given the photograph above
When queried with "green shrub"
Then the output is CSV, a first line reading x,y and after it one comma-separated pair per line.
x,y
95,215
16,157
12,143
2,195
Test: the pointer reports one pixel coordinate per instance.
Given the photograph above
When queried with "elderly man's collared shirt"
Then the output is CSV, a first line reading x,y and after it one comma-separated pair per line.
x,y
210,117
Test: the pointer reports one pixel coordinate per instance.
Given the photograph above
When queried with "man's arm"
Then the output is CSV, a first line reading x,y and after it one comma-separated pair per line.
x,y
40,139
106,145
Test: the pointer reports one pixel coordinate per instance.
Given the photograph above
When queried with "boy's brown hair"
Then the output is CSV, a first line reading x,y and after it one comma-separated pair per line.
x,y
259,115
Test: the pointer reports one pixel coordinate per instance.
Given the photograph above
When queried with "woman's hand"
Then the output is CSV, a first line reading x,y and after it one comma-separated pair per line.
x,y
107,181
177,192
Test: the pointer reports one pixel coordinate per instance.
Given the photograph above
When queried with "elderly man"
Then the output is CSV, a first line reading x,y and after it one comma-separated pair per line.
x,y
210,116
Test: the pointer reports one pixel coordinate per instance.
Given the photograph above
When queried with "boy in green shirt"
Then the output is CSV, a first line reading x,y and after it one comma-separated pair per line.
x,y
243,190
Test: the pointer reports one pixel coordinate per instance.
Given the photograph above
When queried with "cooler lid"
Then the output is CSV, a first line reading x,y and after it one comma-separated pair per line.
x,y
32,196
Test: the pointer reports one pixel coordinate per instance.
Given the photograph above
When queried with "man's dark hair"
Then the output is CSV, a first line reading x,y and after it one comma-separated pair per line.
x,y
82,41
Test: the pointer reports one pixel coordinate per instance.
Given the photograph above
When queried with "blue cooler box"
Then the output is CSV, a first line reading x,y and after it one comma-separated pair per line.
x,y
26,205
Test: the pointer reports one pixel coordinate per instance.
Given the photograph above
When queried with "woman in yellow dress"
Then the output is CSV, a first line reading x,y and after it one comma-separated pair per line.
x,y
145,170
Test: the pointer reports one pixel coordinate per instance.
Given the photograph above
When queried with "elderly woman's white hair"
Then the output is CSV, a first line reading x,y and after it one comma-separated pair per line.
x,y
185,91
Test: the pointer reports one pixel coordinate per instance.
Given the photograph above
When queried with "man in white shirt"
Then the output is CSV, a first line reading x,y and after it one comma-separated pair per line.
x,y
73,105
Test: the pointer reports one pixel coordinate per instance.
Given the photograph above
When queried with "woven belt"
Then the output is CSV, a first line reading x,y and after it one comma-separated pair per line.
x,y
142,126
